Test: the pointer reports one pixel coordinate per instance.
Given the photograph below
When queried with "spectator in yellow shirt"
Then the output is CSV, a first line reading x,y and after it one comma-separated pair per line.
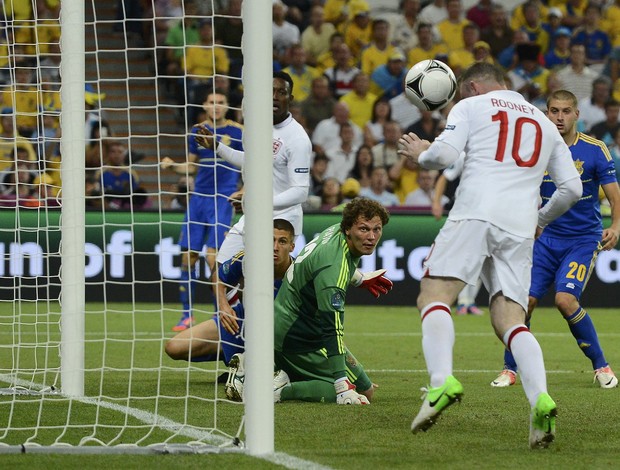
x,y
316,37
301,73
23,98
360,101
379,50
533,26
358,31
451,29
340,12
462,58
518,14
10,140
426,48
202,61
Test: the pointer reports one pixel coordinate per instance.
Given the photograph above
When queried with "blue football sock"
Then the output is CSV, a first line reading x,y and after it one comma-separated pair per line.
x,y
185,292
509,361
582,328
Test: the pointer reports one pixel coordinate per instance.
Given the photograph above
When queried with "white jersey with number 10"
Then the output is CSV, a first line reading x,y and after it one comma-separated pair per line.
x,y
508,145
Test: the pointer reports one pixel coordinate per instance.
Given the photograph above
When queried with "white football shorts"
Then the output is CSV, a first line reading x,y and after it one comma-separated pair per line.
x,y
472,249
232,244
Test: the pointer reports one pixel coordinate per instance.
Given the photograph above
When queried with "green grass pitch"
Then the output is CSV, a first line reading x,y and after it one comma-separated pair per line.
x,y
489,429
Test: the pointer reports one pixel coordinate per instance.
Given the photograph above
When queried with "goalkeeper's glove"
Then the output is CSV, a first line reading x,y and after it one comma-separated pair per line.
x,y
346,394
375,282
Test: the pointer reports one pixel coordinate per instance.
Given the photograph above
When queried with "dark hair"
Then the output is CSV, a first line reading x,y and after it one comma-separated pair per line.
x,y
356,171
483,71
286,77
373,117
318,156
283,224
611,102
473,26
602,80
378,22
424,25
345,125
362,207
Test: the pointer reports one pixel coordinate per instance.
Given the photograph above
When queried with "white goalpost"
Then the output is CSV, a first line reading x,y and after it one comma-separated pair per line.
x,y
89,280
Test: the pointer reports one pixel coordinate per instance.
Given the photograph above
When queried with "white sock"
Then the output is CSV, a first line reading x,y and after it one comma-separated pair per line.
x,y
437,341
529,359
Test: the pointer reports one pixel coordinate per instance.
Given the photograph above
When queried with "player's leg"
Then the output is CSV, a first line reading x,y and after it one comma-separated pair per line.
x,y
466,301
436,294
198,343
545,263
191,241
508,282
508,375
310,377
570,283
454,260
220,220
508,317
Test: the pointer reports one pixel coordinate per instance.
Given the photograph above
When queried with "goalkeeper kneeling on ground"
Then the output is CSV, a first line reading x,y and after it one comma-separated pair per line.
x,y
311,359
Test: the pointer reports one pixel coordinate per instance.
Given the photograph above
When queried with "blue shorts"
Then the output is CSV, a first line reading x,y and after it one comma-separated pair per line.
x,y
207,220
232,344
566,262
229,344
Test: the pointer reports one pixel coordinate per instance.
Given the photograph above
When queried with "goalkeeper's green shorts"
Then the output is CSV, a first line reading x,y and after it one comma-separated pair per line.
x,y
314,366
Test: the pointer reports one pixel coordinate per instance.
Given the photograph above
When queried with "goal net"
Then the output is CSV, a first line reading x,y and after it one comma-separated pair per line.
x,y
90,223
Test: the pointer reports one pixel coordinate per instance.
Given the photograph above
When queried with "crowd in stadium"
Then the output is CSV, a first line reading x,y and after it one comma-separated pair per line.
x,y
29,104
347,62
348,66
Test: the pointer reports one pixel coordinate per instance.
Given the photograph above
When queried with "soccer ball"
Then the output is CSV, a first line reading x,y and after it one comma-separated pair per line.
x,y
430,85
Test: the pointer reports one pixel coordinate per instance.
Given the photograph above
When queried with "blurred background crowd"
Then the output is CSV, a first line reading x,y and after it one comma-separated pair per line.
x,y
347,58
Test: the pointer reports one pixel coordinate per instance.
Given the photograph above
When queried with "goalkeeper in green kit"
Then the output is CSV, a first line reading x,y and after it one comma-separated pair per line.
x,y
311,358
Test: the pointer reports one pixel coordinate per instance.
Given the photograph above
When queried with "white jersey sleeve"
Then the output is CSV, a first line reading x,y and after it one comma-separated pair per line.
x,y
454,171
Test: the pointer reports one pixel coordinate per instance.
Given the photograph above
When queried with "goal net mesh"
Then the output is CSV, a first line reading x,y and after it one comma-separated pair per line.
x,y
143,91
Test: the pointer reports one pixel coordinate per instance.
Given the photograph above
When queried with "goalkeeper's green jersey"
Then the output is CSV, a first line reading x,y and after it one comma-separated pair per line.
x,y
309,308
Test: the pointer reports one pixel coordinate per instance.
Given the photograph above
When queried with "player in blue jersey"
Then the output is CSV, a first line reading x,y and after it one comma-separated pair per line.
x,y
209,213
565,252
222,336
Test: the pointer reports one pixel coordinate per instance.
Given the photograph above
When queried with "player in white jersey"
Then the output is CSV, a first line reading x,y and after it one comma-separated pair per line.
x,y
292,151
508,144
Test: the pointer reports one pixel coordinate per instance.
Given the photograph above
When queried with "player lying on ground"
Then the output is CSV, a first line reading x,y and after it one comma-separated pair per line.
x,y
313,361
222,336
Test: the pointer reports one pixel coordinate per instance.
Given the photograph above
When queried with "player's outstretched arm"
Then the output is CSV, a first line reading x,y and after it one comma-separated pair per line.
x,y
440,189
206,139
185,168
374,282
